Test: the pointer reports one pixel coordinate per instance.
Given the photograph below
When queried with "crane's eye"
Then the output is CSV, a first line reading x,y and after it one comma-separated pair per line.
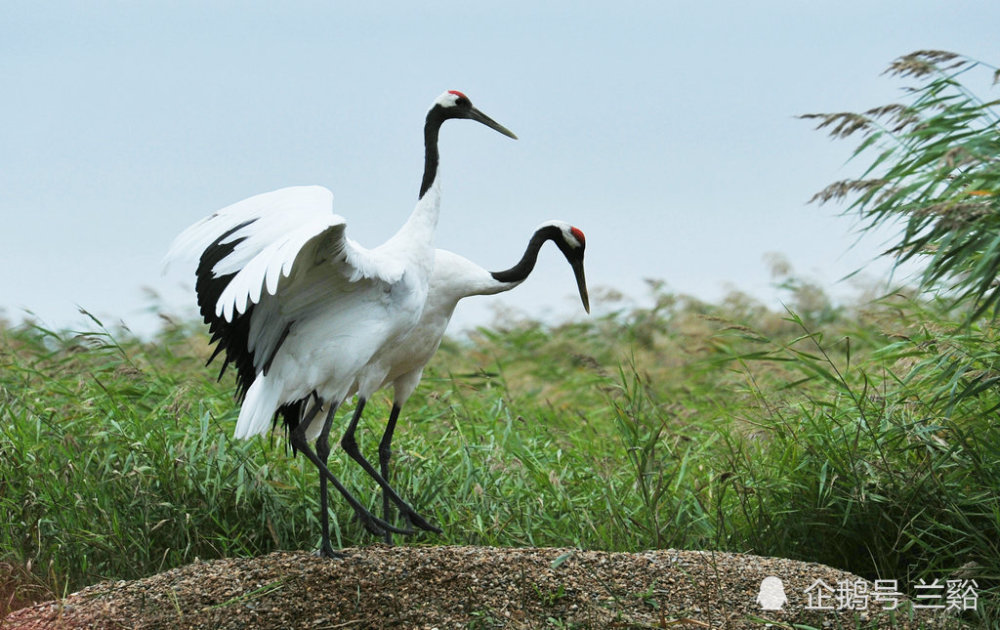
x,y
461,100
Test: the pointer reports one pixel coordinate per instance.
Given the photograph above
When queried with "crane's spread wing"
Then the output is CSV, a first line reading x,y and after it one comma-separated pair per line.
x,y
253,250
257,241
273,214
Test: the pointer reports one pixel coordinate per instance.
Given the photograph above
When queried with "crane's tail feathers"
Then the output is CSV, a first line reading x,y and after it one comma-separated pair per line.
x,y
258,408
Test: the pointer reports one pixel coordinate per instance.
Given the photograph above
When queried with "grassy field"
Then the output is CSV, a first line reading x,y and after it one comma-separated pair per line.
x,y
856,436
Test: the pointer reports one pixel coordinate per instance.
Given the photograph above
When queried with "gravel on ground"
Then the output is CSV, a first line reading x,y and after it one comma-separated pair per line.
x,y
478,587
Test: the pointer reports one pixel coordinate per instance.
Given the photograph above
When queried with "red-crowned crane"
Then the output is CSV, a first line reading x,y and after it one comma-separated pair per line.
x,y
454,278
301,310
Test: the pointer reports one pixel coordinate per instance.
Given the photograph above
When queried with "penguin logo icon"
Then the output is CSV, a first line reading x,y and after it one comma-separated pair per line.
x,y
772,594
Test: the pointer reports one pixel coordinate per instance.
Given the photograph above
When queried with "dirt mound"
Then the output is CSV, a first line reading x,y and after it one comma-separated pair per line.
x,y
464,587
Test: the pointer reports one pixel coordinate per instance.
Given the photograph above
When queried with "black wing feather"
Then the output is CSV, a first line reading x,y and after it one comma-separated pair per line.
x,y
232,339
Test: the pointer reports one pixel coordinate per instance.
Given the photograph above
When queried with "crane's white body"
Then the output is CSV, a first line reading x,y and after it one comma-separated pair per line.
x,y
401,364
324,306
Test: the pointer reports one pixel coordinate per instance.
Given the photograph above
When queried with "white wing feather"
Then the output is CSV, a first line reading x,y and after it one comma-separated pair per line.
x,y
267,266
278,232
271,215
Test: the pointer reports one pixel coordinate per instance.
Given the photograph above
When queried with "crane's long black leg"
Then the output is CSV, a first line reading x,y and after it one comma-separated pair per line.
x,y
325,548
372,523
323,452
351,446
384,454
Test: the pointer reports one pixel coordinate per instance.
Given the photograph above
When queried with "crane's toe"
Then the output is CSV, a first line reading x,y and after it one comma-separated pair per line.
x,y
378,527
326,551
414,519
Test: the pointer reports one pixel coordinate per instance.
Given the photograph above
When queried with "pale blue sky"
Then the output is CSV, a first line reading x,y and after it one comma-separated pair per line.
x,y
665,130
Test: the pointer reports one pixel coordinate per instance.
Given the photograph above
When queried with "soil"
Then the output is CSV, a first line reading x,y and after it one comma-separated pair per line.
x,y
471,587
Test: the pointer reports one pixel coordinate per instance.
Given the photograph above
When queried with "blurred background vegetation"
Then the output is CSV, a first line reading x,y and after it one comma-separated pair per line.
x,y
857,433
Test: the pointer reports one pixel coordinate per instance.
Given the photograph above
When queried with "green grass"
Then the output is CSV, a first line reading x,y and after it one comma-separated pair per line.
x,y
870,447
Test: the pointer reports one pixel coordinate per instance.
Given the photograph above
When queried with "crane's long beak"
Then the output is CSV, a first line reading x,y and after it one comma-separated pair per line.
x,y
477,115
581,282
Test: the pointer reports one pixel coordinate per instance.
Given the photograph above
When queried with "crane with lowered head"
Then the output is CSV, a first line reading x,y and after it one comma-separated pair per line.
x,y
454,278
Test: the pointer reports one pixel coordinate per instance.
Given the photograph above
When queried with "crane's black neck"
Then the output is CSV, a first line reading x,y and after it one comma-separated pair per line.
x,y
526,265
432,126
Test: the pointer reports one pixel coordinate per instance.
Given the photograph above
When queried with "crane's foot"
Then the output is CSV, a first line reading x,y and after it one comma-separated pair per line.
x,y
377,526
415,520
326,551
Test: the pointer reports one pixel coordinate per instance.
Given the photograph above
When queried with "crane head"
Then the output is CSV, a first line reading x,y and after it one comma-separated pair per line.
x,y
454,104
572,243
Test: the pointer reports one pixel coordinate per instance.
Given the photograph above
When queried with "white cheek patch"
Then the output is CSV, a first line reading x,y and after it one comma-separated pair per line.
x,y
448,99
570,234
